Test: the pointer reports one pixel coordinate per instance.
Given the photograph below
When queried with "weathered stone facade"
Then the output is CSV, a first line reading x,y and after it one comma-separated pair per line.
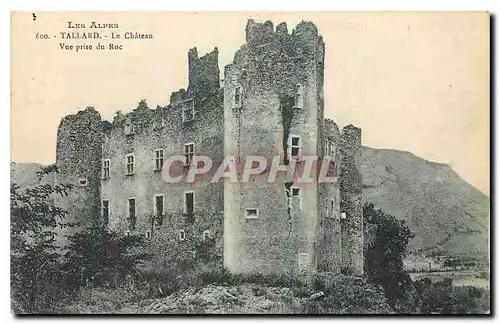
x,y
351,199
79,158
269,104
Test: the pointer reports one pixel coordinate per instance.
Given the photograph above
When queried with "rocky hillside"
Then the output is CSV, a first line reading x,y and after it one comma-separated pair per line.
x,y
447,215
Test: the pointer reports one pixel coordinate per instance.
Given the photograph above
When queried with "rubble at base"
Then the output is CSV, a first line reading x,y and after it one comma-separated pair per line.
x,y
222,299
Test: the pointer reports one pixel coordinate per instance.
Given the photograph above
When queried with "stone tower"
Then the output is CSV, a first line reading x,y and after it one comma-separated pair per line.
x,y
330,240
273,93
270,106
351,200
78,157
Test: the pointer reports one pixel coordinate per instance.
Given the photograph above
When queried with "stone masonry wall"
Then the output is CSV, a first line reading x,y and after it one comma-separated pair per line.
x,y
78,156
290,234
164,128
350,203
267,69
329,239
203,73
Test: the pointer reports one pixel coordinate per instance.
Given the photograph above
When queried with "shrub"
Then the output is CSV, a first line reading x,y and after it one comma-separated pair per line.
x,y
99,257
35,284
189,263
444,298
386,240
347,295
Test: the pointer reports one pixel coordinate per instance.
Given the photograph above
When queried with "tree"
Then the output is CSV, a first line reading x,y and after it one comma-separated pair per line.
x,y
43,273
101,257
443,298
34,254
386,240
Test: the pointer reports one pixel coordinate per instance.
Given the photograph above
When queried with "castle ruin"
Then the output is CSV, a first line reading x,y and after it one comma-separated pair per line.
x,y
270,103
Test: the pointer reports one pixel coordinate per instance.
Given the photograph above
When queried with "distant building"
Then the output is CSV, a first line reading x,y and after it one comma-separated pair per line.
x,y
269,104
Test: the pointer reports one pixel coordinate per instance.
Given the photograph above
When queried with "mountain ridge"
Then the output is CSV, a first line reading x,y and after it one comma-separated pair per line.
x,y
448,215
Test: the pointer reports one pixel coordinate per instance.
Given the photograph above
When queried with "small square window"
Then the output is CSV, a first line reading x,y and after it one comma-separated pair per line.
x,y
130,164
189,203
251,213
105,212
295,201
158,207
158,159
299,96
83,182
294,147
333,149
188,153
105,169
331,168
331,208
330,149
182,235
131,213
237,97
188,112
206,235
129,127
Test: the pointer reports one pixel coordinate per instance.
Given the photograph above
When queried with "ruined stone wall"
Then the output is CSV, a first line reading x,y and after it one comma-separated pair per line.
x,y
78,156
267,69
203,73
350,203
329,239
164,128
289,234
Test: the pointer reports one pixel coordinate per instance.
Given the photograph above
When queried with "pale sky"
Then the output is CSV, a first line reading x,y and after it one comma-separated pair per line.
x,y
417,82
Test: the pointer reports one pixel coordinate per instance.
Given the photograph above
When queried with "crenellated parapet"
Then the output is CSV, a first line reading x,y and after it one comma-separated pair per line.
x,y
276,59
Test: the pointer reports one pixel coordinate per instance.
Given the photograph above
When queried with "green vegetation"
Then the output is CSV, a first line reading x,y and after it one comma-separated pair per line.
x,y
386,240
103,271
98,257
34,256
42,274
443,298
348,295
